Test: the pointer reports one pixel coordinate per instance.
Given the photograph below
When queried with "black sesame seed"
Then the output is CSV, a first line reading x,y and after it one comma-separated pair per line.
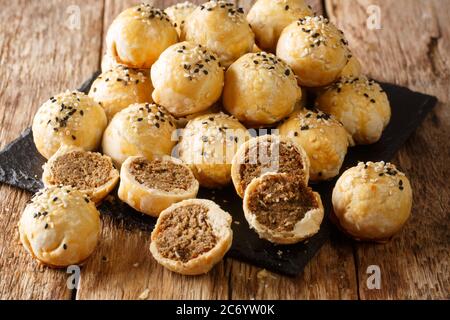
x,y
287,72
400,187
296,134
400,182
55,198
82,112
46,226
157,125
306,127
74,138
205,72
255,62
381,174
139,119
372,100
64,246
286,8
86,200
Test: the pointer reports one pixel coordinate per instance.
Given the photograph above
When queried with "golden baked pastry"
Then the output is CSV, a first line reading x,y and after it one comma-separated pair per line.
x,y
90,172
142,129
60,227
268,18
191,236
352,68
282,209
372,201
179,12
187,78
260,89
69,118
315,49
208,144
138,35
150,186
222,28
268,153
360,104
119,87
323,138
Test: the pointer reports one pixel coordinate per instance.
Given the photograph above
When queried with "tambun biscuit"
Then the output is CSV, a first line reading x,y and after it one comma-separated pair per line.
x,y
138,35
119,87
268,153
150,186
222,28
142,129
187,78
208,144
315,49
282,209
90,172
69,118
191,236
360,104
260,89
179,12
372,201
323,138
60,227
268,18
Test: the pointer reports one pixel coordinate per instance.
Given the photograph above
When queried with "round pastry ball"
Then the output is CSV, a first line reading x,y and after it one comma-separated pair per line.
x,y
138,35
352,68
150,186
222,28
268,18
282,208
60,227
179,12
191,236
360,104
260,89
324,139
142,129
69,118
315,49
208,144
372,201
119,87
187,78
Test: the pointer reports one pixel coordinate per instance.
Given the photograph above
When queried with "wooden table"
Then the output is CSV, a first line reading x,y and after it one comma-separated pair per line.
x,y
44,51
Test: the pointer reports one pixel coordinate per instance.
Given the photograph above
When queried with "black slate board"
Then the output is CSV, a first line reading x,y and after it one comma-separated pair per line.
x,y
21,166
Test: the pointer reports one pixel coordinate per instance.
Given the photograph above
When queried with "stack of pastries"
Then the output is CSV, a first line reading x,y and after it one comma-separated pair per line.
x,y
176,107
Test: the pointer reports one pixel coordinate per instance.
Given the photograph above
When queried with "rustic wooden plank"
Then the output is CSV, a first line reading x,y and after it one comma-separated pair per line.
x,y
40,55
411,49
123,268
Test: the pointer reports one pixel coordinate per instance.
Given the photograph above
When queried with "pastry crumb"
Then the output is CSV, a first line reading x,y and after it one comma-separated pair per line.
x,y
144,294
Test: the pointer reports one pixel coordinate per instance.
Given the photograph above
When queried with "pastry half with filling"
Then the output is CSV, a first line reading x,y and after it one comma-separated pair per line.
x,y
282,208
191,236
150,186
90,172
269,153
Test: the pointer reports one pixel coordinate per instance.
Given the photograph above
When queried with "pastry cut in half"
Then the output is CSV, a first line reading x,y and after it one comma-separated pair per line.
x,y
191,236
268,153
90,172
282,208
150,186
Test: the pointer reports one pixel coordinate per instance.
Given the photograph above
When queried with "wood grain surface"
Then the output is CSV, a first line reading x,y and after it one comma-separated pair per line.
x,y
42,53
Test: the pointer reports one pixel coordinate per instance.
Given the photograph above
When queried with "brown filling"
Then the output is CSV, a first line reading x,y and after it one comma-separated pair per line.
x,y
289,161
185,233
161,175
81,170
279,202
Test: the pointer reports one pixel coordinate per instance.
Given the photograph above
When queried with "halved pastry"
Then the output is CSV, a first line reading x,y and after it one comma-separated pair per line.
x,y
191,236
150,186
282,209
90,172
269,153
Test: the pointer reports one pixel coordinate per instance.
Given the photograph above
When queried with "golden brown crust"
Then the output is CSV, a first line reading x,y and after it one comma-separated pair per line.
x,y
315,49
60,227
260,89
222,28
138,35
372,201
69,118
187,78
